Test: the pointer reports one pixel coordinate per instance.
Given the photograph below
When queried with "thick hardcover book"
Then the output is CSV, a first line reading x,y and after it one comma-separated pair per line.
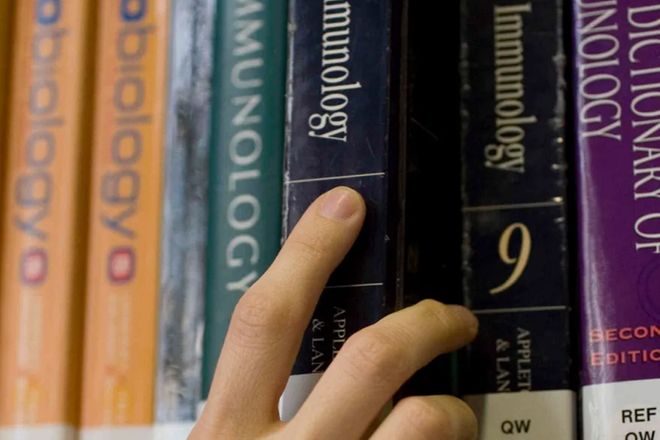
x,y
517,375
616,88
183,233
44,220
123,278
247,143
343,128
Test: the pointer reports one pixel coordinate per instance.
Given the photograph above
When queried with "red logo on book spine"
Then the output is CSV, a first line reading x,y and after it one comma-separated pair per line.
x,y
34,266
121,265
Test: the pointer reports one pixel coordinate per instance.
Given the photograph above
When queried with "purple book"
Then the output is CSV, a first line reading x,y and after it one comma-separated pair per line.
x,y
617,80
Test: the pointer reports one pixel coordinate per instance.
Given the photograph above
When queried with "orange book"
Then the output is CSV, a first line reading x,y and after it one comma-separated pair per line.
x,y
123,260
44,220
6,20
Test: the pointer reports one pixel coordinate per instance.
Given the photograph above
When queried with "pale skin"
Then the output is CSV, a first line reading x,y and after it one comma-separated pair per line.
x,y
267,328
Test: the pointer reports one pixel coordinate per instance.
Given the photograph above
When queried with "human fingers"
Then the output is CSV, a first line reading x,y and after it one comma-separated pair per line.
x,y
429,418
375,362
268,323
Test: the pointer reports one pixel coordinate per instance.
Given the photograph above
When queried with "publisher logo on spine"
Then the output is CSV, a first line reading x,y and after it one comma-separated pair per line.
x,y
121,265
34,266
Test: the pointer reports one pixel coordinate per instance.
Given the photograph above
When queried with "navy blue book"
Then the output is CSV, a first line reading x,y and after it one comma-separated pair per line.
x,y
518,374
345,126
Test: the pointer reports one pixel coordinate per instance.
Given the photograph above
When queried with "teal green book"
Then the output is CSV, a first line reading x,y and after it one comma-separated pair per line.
x,y
246,159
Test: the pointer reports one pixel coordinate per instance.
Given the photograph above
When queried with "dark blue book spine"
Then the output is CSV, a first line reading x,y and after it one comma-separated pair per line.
x,y
518,374
344,106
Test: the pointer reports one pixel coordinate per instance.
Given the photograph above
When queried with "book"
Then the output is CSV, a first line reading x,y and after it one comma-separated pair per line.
x,y
344,127
433,242
617,79
518,374
44,220
123,278
184,218
6,17
247,143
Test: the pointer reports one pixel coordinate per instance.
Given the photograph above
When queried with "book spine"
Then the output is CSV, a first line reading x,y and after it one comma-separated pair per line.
x,y
433,242
7,18
617,85
183,237
342,127
517,375
44,220
247,143
123,278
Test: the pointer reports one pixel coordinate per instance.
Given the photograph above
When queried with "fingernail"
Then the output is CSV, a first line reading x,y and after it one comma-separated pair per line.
x,y
467,317
339,204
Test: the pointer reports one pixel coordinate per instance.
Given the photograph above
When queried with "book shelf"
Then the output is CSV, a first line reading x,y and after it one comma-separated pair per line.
x,y
155,154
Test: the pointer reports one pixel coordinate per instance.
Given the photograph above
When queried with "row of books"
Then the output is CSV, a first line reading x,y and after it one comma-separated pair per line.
x,y
557,159
104,214
494,176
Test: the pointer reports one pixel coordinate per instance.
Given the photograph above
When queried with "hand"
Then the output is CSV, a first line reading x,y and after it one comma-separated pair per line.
x,y
267,328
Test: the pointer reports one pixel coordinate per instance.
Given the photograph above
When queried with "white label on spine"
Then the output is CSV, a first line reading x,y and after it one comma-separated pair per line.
x,y
537,415
297,389
42,432
622,410
117,433
173,431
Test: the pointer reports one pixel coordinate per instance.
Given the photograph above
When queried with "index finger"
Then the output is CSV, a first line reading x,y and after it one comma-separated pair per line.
x,y
268,323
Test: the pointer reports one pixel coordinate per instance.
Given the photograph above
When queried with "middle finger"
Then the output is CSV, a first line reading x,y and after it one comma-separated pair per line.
x,y
375,362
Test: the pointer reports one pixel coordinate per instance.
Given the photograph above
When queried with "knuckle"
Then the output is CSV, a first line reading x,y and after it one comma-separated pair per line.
x,y
424,419
376,356
257,320
455,329
470,424
307,247
438,313
435,310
